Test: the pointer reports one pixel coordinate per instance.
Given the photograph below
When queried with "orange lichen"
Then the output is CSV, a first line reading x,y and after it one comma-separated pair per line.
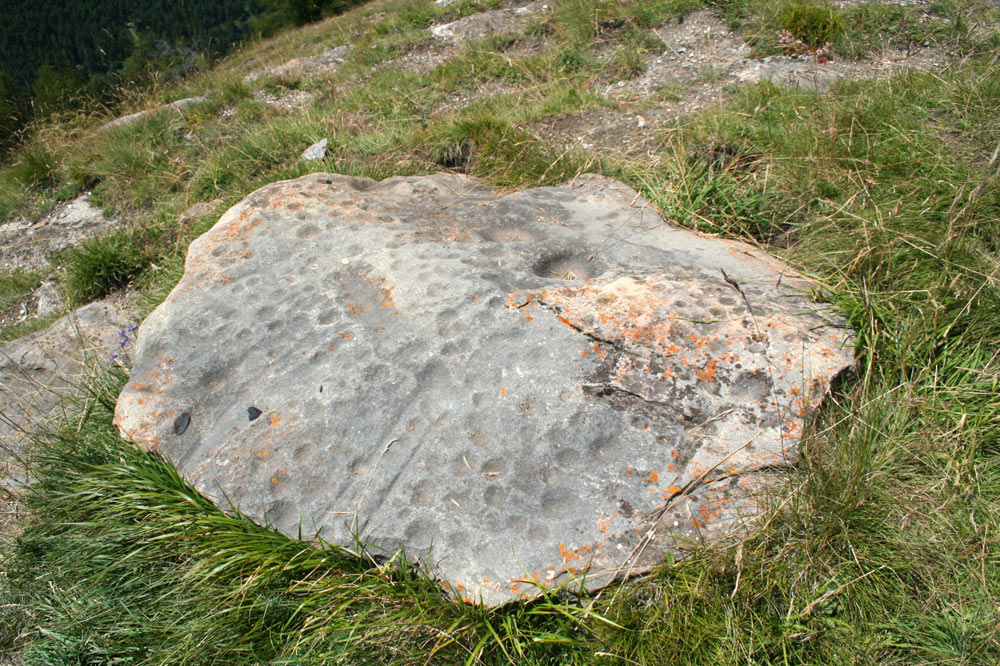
x,y
708,373
654,477
568,555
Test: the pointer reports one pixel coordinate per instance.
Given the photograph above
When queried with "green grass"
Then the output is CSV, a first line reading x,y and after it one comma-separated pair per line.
x,y
864,29
103,265
27,327
15,286
882,546
200,586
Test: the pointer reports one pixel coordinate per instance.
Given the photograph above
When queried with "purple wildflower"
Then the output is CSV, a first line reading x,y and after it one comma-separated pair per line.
x,y
122,338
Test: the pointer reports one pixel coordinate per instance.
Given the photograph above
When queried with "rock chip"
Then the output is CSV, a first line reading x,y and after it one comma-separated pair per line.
x,y
317,151
289,100
197,210
48,299
796,72
515,389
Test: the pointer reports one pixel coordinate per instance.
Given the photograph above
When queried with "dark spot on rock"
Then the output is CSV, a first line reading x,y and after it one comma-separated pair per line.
x,y
307,231
508,234
253,413
567,266
181,423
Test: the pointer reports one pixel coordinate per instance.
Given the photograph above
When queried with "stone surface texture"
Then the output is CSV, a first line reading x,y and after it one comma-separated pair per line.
x,y
326,62
40,369
27,245
179,106
516,389
317,151
483,24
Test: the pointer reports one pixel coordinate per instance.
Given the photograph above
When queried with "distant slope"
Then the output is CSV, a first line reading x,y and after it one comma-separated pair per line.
x,y
96,36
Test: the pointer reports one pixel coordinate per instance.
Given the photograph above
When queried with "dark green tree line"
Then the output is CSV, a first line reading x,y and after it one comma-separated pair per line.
x,y
57,55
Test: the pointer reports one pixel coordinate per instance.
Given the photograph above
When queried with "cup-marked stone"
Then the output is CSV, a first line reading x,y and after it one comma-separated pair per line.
x,y
516,389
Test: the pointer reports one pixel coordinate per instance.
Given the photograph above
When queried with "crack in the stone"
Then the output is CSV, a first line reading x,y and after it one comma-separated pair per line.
x,y
558,312
692,486
604,386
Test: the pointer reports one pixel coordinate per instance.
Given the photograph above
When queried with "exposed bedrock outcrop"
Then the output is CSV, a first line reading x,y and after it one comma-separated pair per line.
x,y
515,389
38,372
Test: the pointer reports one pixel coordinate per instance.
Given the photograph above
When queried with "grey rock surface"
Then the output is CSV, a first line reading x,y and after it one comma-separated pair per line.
x,y
29,245
482,24
48,299
515,389
326,62
132,118
290,100
804,72
198,209
39,370
317,151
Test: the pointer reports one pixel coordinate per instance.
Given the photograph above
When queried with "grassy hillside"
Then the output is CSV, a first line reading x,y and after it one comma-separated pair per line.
x,y
883,546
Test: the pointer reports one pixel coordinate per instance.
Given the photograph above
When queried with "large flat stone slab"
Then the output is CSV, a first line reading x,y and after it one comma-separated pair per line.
x,y
515,389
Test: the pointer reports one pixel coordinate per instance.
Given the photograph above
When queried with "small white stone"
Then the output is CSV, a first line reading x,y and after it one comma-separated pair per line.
x,y
317,151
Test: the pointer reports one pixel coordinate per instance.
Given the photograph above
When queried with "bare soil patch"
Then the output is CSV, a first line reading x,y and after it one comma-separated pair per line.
x,y
701,60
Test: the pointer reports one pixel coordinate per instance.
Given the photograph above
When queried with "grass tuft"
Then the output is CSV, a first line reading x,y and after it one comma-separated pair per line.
x,y
103,265
813,24
34,167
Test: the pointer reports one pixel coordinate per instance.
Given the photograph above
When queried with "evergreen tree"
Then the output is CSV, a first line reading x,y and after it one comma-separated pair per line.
x,y
57,90
14,113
